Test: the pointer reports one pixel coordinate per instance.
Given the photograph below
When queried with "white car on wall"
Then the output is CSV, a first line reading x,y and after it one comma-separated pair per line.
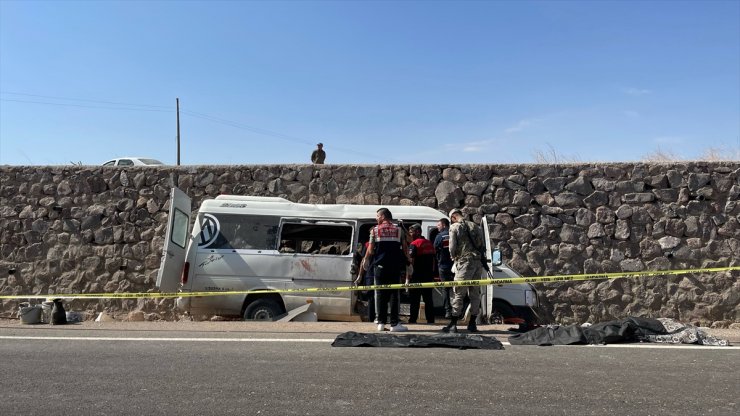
x,y
133,161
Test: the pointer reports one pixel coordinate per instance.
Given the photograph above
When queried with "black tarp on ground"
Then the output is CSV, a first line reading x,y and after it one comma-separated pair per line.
x,y
461,341
631,329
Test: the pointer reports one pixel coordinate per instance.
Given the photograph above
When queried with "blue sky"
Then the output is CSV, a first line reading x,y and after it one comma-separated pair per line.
x,y
376,82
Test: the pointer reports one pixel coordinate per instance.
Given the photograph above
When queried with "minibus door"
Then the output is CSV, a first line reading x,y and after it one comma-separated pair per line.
x,y
487,290
175,243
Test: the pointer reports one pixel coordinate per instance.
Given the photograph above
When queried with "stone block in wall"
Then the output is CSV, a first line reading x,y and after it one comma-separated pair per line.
x,y
372,199
706,192
584,217
550,221
498,232
638,198
503,196
650,249
580,186
640,216
604,185
596,199
453,175
622,230
675,178
657,181
522,199
472,201
568,199
596,230
669,242
698,180
535,186
629,186
729,229
448,195
475,188
545,199
521,235
684,195
666,195
551,210
489,208
604,215
527,220
570,233
555,184
623,212
305,174
614,172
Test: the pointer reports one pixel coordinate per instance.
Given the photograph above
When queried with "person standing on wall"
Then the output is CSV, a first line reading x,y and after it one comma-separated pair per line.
x,y
421,252
387,254
466,238
319,155
444,261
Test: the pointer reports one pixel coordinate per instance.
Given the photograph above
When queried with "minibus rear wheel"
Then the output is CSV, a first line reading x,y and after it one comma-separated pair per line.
x,y
262,310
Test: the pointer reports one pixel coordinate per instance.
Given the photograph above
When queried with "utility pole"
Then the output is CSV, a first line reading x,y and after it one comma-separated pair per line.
x,y
177,100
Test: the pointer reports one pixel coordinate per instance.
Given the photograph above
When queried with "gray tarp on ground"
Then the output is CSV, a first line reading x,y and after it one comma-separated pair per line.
x,y
630,329
461,341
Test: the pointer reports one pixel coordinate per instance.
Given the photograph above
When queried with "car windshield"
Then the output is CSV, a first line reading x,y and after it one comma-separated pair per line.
x,y
151,162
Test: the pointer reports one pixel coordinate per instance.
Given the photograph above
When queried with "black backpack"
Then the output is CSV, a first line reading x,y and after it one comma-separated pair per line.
x,y
58,314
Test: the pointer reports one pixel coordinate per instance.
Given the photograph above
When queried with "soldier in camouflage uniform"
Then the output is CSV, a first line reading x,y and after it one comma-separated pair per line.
x,y
466,240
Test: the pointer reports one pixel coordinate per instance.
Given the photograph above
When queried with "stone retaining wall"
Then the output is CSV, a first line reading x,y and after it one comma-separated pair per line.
x,y
93,229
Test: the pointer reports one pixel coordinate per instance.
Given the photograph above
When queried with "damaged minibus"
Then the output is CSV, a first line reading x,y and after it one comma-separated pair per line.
x,y
247,243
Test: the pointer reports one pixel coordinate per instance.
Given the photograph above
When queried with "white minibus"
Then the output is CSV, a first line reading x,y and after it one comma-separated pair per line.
x,y
247,243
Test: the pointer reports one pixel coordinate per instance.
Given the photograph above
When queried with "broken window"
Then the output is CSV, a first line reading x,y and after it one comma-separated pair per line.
x,y
313,238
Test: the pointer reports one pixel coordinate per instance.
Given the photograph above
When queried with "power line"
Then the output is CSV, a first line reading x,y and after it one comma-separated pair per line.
x,y
82,99
275,134
86,106
166,109
246,127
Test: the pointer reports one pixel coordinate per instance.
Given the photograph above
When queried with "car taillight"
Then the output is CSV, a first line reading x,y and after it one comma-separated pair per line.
x,y
185,272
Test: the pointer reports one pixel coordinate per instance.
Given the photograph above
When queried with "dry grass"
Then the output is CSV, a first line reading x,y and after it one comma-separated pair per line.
x,y
660,155
550,156
710,154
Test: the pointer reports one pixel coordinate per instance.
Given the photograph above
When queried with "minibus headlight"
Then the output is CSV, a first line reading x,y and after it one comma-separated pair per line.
x,y
530,298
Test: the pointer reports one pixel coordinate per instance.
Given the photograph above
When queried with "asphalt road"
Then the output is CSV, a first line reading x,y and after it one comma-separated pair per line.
x,y
231,370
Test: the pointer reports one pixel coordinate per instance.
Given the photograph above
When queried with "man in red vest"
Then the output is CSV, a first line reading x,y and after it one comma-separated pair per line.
x,y
387,254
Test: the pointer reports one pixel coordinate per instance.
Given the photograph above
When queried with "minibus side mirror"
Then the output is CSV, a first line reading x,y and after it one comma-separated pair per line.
x,y
496,257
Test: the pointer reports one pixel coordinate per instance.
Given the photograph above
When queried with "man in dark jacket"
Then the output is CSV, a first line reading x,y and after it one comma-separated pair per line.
x,y
319,155
444,261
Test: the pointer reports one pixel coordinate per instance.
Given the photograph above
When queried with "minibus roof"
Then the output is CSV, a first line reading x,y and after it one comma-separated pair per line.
x,y
260,205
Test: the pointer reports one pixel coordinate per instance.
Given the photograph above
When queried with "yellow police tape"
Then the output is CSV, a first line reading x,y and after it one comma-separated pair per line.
x,y
478,282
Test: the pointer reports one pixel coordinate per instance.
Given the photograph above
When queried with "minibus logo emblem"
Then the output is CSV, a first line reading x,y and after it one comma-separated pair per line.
x,y
209,228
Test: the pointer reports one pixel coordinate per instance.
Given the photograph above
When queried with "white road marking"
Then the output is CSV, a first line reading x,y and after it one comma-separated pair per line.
x,y
174,339
645,345
667,346
329,340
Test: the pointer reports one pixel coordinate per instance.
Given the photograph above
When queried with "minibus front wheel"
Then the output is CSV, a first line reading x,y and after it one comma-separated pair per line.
x,y
262,309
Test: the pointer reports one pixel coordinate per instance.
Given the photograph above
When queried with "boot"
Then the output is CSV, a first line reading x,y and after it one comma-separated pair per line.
x,y
452,326
472,327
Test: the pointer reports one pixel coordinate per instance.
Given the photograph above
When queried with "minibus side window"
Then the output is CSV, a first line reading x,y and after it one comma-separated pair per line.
x,y
306,238
225,231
